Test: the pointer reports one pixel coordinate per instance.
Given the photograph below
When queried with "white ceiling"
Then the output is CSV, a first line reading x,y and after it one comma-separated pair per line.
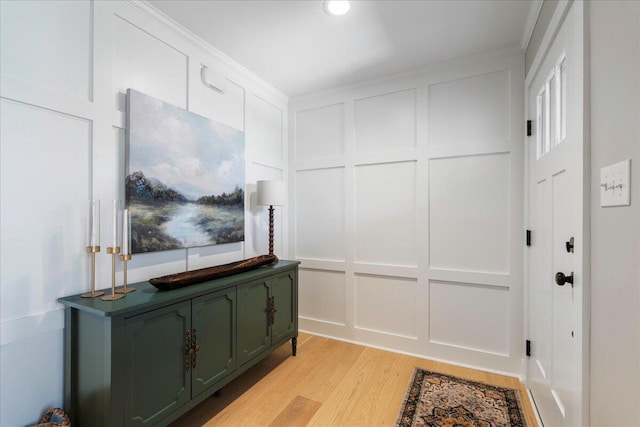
x,y
297,48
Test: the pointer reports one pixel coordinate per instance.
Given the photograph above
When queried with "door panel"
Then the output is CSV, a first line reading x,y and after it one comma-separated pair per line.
x,y
555,214
214,322
540,295
254,332
563,347
155,364
283,293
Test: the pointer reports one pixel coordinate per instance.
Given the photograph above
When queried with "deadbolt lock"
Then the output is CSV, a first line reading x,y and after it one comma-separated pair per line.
x,y
569,245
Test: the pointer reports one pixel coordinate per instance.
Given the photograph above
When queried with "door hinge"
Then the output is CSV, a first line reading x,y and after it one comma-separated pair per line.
x,y
529,133
528,348
528,237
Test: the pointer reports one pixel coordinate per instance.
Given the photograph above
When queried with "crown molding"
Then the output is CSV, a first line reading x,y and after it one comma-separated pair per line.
x,y
530,25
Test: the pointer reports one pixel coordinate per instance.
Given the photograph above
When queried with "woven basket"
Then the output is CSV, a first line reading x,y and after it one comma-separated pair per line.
x,y
55,417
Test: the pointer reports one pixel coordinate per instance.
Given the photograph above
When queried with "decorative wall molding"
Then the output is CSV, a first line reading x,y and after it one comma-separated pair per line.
x,y
16,330
388,196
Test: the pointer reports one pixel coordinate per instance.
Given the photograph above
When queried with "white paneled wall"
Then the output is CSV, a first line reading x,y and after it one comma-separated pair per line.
x,y
396,132
469,213
481,325
470,114
399,296
43,238
160,72
325,299
65,68
67,28
385,214
320,205
320,133
408,212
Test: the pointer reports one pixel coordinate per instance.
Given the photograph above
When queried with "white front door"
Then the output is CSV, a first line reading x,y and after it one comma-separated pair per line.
x,y
555,208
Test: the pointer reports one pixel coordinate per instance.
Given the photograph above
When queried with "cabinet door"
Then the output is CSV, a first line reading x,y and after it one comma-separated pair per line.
x,y
254,333
214,323
157,382
285,297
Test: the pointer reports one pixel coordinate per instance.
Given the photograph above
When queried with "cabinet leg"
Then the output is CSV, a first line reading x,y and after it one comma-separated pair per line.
x,y
294,345
218,393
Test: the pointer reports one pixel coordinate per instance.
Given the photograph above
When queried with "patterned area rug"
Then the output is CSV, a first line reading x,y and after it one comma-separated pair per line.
x,y
438,400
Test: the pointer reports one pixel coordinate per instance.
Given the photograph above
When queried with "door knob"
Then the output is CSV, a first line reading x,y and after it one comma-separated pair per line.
x,y
561,279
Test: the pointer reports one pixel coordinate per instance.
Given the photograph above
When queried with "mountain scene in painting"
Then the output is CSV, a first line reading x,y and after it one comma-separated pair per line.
x,y
185,181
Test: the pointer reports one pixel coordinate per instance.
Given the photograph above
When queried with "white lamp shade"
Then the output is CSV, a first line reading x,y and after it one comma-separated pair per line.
x,y
271,193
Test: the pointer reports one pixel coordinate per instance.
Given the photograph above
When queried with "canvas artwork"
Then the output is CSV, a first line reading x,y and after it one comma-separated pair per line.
x,y
185,177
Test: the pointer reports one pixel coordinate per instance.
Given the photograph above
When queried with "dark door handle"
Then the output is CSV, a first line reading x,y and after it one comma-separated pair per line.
x,y
561,279
569,245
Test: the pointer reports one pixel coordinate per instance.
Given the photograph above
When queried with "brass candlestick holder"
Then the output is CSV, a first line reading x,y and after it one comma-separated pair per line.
x,y
124,289
93,250
114,296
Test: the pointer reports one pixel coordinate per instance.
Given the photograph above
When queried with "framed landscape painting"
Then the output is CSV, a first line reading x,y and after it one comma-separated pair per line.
x,y
185,179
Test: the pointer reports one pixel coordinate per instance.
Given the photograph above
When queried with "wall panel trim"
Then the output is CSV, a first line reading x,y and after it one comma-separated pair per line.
x,y
31,326
475,277
469,348
48,99
318,264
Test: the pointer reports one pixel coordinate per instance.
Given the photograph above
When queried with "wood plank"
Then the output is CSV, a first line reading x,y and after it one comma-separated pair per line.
x,y
370,394
331,364
297,413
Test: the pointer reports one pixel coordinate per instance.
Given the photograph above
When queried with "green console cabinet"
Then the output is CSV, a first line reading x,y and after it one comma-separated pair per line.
x,y
284,298
150,357
270,305
154,363
214,329
254,330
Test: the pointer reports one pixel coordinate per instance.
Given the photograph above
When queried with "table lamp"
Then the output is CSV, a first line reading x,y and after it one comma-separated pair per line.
x,y
271,193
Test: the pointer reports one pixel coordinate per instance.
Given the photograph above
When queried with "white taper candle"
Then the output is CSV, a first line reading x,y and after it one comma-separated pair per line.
x,y
116,207
95,223
125,232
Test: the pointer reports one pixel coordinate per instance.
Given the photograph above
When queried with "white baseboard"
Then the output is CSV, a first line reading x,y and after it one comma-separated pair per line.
x,y
420,356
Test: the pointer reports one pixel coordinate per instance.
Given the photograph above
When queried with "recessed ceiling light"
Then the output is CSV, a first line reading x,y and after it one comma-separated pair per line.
x,y
336,7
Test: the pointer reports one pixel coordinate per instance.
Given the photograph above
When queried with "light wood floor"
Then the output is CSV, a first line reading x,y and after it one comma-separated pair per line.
x,y
328,383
